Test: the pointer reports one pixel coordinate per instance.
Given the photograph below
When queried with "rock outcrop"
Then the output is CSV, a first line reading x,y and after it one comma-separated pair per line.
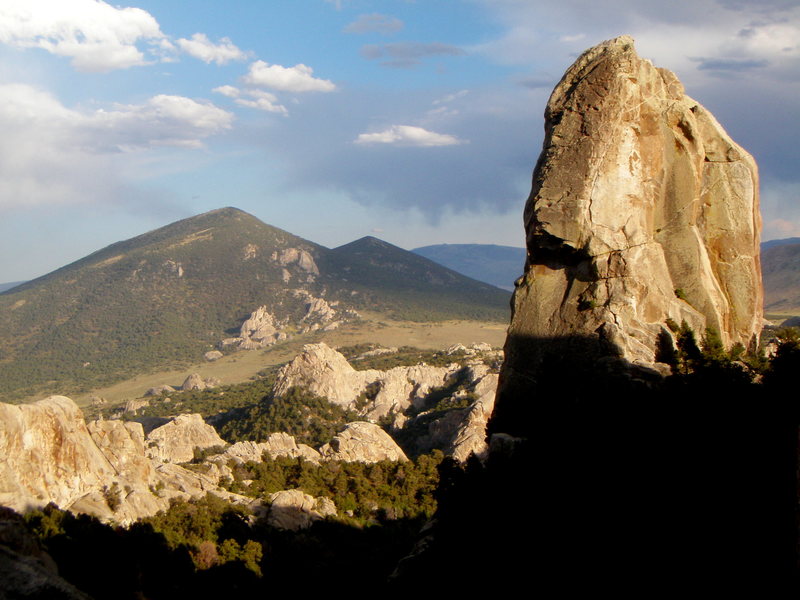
x,y
294,509
196,382
277,444
48,455
212,355
402,394
298,257
642,209
262,328
175,441
469,436
325,372
458,432
362,442
104,468
160,389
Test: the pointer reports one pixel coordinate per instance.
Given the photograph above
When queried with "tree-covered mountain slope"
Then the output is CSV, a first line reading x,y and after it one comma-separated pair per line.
x,y
414,287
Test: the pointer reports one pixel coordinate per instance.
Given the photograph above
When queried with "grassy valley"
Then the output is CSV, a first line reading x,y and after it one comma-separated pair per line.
x,y
244,365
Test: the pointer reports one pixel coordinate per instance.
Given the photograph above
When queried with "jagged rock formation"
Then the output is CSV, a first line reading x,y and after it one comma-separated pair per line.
x,y
469,436
642,209
262,328
301,259
259,330
458,432
470,350
325,372
403,391
132,406
109,469
362,442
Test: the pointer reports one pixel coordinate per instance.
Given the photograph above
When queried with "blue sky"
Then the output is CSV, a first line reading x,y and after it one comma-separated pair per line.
x,y
418,122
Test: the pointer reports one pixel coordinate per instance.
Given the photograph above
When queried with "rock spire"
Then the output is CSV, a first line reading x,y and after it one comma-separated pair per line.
x,y
643,212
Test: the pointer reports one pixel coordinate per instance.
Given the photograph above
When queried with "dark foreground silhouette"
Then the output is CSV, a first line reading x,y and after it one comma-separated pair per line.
x,y
626,482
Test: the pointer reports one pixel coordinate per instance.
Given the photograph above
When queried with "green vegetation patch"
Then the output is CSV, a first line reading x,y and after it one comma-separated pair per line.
x,y
362,492
310,419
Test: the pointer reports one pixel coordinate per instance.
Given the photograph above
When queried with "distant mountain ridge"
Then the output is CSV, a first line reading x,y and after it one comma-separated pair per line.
x,y
781,242
497,265
780,271
167,296
9,285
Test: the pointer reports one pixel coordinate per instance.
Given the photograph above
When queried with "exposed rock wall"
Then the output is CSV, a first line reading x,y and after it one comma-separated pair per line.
x,y
48,455
642,209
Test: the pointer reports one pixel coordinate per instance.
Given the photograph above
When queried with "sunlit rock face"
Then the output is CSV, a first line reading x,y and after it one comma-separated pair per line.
x,y
48,455
642,209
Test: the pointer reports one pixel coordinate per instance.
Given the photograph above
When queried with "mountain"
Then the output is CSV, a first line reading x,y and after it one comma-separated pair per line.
x,y
497,265
163,298
780,270
414,283
9,285
781,242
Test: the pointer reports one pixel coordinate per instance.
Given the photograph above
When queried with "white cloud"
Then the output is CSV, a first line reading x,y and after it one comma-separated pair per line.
x,y
408,135
161,121
51,154
227,90
204,49
262,101
689,41
93,34
298,78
